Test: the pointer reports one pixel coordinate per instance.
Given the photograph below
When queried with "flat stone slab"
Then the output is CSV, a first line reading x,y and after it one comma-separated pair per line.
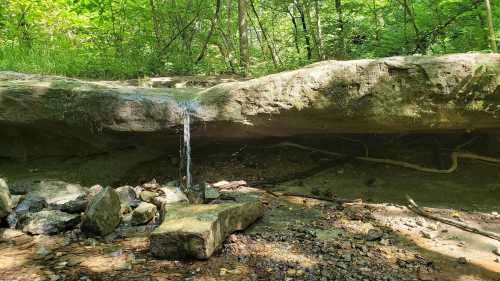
x,y
457,92
196,231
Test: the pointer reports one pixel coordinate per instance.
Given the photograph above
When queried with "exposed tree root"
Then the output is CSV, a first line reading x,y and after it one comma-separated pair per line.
x,y
412,206
454,159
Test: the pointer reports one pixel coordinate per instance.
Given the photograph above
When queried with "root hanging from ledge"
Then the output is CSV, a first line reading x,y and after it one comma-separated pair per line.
x,y
454,158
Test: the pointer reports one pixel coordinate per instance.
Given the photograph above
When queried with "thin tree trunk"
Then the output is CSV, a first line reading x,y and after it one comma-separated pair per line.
x,y
493,43
375,21
243,30
211,32
318,29
437,10
295,31
179,33
227,58
156,25
421,43
304,29
229,49
340,27
482,24
312,27
264,35
229,27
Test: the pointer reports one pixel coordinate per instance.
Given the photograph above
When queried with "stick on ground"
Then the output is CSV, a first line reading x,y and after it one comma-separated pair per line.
x,y
412,206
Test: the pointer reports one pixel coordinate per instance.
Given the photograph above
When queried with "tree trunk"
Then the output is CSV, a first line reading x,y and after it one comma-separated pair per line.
x,y
156,25
304,29
318,29
421,44
491,30
227,49
243,30
211,32
295,31
376,21
264,35
340,27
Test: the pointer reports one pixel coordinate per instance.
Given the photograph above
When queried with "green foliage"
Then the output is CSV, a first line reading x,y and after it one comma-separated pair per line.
x,y
132,38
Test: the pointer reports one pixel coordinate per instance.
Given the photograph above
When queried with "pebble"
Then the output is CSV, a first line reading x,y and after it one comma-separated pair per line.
x,y
496,251
374,234
462,260
427,234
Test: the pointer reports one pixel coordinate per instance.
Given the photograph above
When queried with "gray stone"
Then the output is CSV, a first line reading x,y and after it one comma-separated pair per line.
x,y
5,200
462,260
76,206
56,193
103,213
211,193
15,200
428,234
374,234
47,222
198,230
496,251
128,197
143,213
196,193
31,204
148,196
94,190
169,195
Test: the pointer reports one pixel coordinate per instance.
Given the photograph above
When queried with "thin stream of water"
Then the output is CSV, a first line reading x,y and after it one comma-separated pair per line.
x,y
188,108
187,146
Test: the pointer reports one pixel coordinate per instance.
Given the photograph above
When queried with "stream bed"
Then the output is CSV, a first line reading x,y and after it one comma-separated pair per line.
x,y
299,238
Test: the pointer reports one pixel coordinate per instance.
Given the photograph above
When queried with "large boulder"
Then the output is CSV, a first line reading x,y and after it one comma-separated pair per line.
x,y
103,213
5,200
387,95
198,230
411,94
47,222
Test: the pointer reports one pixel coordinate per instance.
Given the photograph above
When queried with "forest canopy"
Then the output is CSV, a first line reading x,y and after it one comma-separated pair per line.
x,y
136,38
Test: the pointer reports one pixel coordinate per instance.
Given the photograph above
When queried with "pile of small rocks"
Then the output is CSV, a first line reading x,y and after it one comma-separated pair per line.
x,y
51,207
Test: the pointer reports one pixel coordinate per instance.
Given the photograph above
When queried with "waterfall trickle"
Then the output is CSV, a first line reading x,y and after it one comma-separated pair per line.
x,y
187,109
187,147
